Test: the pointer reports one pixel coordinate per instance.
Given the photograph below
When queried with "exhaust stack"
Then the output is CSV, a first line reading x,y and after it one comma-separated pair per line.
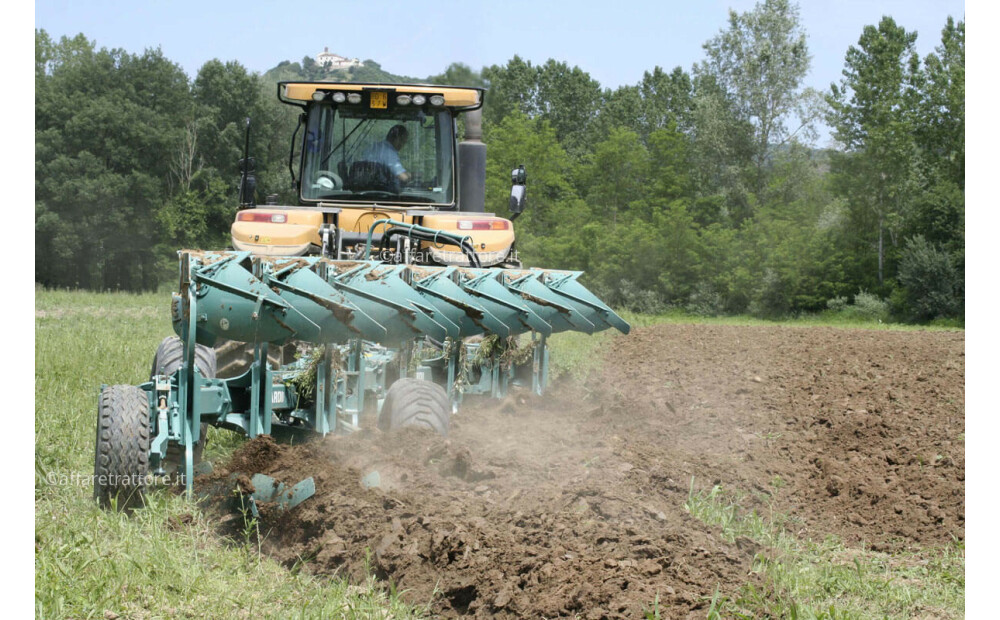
x,y
472,165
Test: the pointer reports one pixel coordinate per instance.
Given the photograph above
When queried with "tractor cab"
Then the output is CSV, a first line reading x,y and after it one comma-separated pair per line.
x,y
367,153
364,146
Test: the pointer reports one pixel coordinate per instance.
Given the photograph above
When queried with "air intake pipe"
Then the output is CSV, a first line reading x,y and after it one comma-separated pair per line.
x,y
472,165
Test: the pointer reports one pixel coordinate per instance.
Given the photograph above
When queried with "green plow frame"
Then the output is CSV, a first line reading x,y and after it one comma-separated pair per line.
x,y
239,296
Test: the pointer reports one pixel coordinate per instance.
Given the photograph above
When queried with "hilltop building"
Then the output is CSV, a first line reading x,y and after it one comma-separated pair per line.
x,y
332,61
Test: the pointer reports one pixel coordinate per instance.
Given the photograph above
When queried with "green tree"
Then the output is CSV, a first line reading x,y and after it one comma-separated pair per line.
x,y
873,116
667,100
104,122
942,123
931,284
568,98
620,108
45,51
760,62
226,95
939,206
660,254
513,86
198,217
552,200
458,74
800,266
721,153
615,175
661,100
670,166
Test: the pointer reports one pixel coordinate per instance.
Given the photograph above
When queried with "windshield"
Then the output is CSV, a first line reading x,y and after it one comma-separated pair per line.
x,y
352,153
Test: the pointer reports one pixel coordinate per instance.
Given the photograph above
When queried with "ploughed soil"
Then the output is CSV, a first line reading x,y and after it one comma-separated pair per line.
x,y
573,503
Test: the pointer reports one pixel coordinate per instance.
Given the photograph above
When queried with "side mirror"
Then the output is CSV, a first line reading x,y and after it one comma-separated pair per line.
x,y
518,200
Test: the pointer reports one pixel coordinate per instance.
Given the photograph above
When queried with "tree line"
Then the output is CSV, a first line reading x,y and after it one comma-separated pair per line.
x,y
695,189
134,161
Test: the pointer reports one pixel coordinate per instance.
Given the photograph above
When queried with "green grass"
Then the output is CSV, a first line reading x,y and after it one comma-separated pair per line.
x,y
89,561
575,354
828,580
825,319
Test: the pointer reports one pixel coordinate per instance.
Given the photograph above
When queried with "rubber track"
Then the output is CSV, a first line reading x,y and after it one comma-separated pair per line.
x,y
122,450
415,402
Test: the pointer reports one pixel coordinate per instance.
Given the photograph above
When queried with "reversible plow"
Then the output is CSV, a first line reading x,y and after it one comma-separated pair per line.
x,y
311,323
360,326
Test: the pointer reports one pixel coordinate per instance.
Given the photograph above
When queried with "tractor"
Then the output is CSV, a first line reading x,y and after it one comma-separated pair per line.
x,y
386,290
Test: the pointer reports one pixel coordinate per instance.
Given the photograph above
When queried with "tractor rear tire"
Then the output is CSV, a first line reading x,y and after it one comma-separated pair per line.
x,y
169,357
121,453
415,403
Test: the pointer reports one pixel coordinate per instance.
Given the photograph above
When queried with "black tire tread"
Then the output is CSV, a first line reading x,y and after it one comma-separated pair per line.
x,y
416,403
170,356
122,450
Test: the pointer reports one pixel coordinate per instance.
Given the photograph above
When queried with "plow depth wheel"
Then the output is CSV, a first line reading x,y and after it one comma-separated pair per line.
x,y
418,403
121,460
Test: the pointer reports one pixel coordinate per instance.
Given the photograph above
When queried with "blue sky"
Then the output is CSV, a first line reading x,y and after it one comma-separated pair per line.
x,y
614,42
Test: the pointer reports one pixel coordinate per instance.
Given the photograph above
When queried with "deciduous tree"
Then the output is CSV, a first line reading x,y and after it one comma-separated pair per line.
x,y
873,115
760,62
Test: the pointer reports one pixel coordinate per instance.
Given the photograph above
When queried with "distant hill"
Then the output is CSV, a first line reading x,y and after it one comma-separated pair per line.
x,y
309,71
456,74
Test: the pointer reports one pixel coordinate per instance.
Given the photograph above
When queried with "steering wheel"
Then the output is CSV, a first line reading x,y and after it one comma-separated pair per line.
x,y
327,179
416,180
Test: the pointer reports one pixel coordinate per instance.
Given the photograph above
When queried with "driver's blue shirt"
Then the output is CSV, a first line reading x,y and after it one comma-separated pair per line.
x,y
382,152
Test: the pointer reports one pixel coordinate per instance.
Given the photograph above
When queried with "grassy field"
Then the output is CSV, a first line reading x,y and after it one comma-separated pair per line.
x,y
827,580
166,562
160,563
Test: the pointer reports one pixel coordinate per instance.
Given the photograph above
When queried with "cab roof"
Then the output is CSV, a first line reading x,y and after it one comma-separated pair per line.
x,y
461,98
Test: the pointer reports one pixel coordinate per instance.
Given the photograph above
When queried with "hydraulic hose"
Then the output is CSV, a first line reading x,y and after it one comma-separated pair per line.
x,y
422,233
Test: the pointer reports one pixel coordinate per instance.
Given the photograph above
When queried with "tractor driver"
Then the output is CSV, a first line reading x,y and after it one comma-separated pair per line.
x,y
387,152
